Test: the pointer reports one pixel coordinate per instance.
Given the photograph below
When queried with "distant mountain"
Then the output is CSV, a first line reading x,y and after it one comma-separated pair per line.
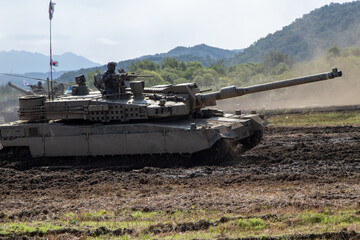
x,y
309,36
24,62
202,53
197,52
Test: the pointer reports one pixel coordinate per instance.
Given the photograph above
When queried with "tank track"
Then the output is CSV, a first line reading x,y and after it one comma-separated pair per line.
x,y
225,150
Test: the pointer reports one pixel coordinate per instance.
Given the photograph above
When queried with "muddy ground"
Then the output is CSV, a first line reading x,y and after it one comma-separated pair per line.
x,y
294,168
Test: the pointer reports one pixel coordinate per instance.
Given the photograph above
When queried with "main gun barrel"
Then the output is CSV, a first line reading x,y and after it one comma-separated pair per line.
x,y
20,89
209,99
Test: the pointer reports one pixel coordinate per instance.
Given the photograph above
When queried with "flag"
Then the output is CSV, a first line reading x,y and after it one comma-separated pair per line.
x,y
54,63
51,9
69,90
26,83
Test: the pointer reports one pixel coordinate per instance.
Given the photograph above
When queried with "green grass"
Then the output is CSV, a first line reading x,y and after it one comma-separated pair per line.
x,y
308,118
28,227
252,224
165,224
341,218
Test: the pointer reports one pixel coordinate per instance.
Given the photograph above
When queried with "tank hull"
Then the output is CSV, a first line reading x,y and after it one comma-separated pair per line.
x,y
60,139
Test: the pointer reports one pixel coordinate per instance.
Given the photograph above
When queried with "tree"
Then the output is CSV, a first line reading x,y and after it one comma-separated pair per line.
x,y
242,74
152,81
206,77
182,66
219,67
143,65
333,51
191,69
273,58
279,69
170,74
169,62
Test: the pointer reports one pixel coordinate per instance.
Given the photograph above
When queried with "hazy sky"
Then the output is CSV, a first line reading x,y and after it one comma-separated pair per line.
x,y
115,30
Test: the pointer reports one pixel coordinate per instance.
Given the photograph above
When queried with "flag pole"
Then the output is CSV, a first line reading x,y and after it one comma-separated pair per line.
x,y
51,11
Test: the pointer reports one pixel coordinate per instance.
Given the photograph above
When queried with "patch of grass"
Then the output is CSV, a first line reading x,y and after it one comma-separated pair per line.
x,y
313,218
328,118
145,215
252,224
340,218
28,228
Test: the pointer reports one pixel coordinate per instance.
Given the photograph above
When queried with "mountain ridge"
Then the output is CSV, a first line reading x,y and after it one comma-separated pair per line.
x,y
200,50
203,53
20,62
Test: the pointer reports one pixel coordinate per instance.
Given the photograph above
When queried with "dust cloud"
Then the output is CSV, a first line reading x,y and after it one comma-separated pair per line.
x,y
8,111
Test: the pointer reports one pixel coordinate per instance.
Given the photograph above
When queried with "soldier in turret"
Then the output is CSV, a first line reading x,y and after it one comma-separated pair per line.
x,y
110,80
38,88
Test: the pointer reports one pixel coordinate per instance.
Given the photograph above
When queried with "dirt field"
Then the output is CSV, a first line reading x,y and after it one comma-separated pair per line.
x,y
294,168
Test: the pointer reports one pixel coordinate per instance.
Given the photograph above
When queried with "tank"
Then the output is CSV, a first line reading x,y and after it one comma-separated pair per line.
x,y
38,89
135,121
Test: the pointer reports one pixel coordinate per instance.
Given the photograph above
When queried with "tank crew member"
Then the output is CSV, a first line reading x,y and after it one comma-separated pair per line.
x,y
38,88
110,80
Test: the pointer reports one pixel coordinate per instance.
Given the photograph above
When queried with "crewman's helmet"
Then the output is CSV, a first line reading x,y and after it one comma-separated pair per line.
x,y
111,66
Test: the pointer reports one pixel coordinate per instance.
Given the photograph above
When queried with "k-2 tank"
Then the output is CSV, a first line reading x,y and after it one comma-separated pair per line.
x,y
38,89
137,121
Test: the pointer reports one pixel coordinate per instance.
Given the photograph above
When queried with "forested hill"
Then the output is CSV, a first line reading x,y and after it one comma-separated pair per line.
x,y
310,35
199,51
203,53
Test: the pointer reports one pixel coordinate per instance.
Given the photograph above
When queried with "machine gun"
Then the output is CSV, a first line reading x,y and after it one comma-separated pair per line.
x,y
132,76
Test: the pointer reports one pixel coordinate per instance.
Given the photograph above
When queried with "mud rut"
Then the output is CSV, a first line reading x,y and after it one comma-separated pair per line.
x,y
293,168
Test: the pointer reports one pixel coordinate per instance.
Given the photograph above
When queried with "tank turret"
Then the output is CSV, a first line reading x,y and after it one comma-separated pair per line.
x,y
143,104
125,117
